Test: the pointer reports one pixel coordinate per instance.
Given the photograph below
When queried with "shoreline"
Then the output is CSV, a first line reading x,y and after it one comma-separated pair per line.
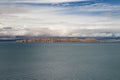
x,y
55,40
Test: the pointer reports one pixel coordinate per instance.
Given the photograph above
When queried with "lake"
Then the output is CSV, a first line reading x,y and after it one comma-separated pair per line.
x,y
59,61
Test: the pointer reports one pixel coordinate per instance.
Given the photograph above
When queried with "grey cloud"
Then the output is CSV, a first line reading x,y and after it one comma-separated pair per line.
x,y
11,9
19,0
96,32
8,31
7,28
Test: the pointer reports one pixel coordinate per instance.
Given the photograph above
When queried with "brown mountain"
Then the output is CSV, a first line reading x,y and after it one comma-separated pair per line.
x,y
59,40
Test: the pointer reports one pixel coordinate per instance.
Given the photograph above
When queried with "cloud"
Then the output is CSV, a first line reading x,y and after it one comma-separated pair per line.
x,y
57,21
76,32
41,1
99,7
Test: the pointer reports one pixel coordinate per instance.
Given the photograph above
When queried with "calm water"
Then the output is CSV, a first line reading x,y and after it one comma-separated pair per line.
x,y
59,61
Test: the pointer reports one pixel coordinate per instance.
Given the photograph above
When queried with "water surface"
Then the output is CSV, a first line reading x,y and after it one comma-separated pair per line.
x,y
59,61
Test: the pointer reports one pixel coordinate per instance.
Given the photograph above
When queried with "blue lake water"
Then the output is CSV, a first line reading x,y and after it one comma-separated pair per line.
x,y
59,61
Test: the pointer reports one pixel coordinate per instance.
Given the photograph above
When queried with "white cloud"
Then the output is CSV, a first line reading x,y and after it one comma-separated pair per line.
x,y
58,1
99,7
41,1
47,21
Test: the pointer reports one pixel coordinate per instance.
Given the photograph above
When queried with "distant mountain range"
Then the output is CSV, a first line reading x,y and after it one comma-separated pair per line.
x,y
10,38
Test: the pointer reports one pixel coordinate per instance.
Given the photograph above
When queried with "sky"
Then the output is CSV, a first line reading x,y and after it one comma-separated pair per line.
x,y
69,18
